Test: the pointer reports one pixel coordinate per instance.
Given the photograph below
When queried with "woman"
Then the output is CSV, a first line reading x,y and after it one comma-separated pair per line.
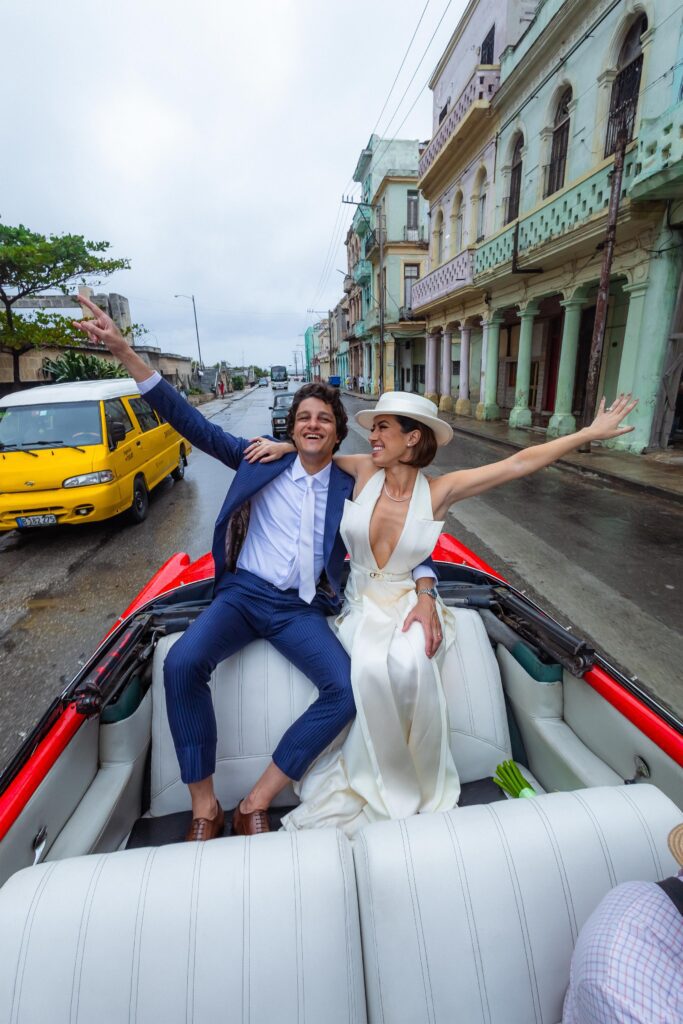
x,y
395,759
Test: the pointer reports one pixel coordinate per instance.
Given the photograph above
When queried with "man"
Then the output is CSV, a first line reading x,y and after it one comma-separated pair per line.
x,y
278,558
627,966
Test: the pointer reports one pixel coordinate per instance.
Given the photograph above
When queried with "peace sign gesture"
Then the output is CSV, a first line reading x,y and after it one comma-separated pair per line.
x,y
101,329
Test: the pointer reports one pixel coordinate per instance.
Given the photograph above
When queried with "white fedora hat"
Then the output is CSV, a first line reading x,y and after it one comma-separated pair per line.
x,y
404,403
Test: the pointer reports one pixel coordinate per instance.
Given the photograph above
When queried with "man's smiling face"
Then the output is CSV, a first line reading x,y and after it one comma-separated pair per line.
x,y
315,430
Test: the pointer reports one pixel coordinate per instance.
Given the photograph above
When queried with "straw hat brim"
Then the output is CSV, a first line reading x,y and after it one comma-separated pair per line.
x,y
676,843
442,431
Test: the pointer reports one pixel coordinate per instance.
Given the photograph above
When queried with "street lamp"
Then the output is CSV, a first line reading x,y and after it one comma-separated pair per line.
x,y
180,295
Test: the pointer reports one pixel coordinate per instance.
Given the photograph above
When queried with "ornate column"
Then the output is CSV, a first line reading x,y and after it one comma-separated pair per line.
x,y
520,415
431,364
487,408
633,337
562,421
446,400
463,407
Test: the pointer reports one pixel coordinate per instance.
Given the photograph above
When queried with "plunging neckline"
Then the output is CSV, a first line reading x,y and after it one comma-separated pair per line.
x,y
382,568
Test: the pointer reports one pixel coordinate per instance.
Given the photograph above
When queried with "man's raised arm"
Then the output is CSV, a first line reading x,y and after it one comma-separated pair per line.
x,y
206,436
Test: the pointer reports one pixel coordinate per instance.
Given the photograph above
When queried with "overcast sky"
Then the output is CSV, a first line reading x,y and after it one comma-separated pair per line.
x,y
210,144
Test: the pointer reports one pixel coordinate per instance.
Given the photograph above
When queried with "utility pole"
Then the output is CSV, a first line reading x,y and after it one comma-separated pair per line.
x,y
597,342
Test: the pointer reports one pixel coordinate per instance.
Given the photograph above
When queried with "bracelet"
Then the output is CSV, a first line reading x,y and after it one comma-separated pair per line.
x,y
431,591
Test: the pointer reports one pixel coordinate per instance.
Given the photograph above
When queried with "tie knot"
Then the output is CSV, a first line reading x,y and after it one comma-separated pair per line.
x,y
309,482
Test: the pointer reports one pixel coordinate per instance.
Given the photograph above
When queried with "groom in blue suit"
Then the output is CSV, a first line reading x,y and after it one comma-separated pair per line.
x,y
278,559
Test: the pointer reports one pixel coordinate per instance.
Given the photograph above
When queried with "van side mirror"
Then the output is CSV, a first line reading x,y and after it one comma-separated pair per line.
x,y
117,432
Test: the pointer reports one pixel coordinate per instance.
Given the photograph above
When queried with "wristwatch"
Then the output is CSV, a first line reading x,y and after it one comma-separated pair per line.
x,y
431,591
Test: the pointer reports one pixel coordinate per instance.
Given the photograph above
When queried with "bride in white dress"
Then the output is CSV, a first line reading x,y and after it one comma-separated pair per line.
x,y
395,760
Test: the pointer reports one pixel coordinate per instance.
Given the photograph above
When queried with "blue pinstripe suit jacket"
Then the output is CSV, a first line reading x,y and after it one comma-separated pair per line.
x,y
250,478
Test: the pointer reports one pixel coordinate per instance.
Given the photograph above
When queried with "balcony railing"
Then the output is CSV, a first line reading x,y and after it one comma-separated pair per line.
x,y
361,220
361,271
370,242
359,329
417,235
450,277
569,209
348,283
660,155
480,89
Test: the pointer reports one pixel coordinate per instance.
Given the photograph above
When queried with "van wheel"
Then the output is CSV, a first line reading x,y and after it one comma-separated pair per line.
x,y
137,512
179,472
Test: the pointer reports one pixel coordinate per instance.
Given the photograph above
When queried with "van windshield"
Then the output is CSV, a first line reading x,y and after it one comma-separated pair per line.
x,y
59,425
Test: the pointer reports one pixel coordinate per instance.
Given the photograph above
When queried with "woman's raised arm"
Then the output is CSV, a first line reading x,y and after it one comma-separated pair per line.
x,y
263,449
466,483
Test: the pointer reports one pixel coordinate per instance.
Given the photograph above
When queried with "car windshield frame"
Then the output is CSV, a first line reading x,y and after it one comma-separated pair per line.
x,y
46,425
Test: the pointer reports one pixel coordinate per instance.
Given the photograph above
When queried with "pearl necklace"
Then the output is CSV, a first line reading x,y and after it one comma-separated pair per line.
x,y
392,498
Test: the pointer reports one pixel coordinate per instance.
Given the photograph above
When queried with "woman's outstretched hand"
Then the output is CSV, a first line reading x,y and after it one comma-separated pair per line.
x,y
607,423
262,449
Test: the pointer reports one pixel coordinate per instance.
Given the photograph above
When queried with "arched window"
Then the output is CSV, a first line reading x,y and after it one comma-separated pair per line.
x,y
558,152
481,209
626,86
456,225
515,181
438,240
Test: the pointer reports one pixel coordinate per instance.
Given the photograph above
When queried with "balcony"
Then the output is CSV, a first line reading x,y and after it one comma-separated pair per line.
x,y
361,271
348,283
371,319
418,235
359,329
467,113
405,313
567,221
361,220
445,280
660,152
371,241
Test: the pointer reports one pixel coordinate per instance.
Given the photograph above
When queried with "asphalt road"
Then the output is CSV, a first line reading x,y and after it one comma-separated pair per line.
x,y
610,563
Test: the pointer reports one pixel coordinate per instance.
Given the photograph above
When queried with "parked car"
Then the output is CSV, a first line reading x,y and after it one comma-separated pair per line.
x,y
263,382
96,448
114,917
280,407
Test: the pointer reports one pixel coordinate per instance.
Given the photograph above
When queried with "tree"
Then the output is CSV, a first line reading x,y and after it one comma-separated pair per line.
x,y
31,263
82,366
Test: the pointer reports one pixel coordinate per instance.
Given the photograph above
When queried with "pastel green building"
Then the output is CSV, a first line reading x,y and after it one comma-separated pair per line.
x,y
518,176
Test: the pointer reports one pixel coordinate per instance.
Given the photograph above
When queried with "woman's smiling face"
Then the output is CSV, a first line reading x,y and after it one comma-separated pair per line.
x,y
388,443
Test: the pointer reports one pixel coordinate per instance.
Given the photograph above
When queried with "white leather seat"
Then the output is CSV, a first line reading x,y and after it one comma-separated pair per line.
x,y
471,917
257,695
261,930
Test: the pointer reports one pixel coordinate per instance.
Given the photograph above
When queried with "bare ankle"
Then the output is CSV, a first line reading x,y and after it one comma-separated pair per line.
x,y
250,804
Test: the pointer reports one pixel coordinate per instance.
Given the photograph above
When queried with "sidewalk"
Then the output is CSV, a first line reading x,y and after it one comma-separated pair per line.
x,y
659,473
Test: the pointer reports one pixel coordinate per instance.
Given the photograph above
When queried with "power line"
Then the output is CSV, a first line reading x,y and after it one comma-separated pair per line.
x,y
405,55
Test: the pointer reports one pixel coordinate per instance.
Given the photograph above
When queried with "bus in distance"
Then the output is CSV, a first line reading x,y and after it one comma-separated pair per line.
x,y
278,377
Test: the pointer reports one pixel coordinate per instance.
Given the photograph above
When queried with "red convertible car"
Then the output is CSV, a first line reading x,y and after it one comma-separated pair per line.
x,y
469,916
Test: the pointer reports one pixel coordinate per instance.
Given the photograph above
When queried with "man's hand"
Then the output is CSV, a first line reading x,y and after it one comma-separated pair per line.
x,y
426,614
101,329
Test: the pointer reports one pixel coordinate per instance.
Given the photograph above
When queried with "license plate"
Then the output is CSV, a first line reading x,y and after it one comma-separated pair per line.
x,y
36,520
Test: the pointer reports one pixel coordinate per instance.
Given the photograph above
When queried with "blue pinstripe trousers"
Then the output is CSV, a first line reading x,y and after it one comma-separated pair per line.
x,y
246,607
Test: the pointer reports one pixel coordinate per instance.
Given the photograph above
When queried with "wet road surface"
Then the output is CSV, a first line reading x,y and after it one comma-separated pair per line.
x,y
606,561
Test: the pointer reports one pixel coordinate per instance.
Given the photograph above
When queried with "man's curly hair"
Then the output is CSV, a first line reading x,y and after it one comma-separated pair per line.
x,y
327,394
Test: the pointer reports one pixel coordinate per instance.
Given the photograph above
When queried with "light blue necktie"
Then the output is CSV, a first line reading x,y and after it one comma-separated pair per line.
x,y
306,535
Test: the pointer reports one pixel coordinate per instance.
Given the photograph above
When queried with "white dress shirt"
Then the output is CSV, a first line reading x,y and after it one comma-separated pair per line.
x,y
271,547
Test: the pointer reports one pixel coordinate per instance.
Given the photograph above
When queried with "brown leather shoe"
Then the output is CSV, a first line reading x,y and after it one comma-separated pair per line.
x,y
249,824
202,829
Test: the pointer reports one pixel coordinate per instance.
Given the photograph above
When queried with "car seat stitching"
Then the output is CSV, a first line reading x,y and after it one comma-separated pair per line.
x,y
576,795
362,845
351,994
192,932
417,921
624,793
80,942
26,940
536,806
523,924
137,935
246,932
471,920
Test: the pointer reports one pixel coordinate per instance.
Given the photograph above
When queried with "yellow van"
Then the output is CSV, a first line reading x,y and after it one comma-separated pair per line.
x,y
82,452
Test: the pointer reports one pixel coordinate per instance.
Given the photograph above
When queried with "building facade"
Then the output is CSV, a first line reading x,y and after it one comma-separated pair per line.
x,y
387,255
518,176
